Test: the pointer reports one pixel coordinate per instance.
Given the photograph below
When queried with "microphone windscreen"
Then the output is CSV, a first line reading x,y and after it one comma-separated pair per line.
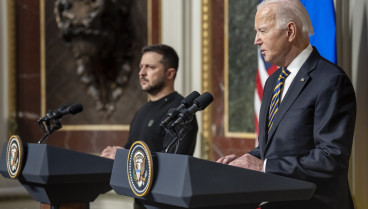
x,y
204,100
75,108
188,101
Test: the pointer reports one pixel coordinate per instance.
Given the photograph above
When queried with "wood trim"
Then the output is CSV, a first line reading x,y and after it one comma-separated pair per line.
x,y
206,76
12,83
154,21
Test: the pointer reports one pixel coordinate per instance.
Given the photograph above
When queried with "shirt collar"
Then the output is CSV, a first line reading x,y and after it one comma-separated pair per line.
x,y
297,63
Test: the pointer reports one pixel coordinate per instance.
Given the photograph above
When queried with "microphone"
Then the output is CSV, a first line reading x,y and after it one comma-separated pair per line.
x,y
64,110
200,103
55,116
185,103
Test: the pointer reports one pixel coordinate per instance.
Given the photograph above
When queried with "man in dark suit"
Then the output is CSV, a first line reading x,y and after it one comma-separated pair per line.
x,y
307,117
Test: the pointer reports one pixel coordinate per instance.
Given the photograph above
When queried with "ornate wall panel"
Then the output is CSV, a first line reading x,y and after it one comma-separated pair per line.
x,y
90,55
233,64
68,52
240,68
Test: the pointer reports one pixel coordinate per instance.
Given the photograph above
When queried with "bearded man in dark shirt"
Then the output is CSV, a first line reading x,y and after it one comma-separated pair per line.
x,y
158,68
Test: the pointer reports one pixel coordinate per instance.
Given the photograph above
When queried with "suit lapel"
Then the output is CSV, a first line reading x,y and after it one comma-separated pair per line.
x,y
295,89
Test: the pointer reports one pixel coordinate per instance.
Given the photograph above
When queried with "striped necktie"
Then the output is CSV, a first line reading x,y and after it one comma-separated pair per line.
x,y
276,97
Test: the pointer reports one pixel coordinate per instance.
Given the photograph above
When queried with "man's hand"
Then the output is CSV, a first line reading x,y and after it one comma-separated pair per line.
x,y
248,161
110,151
226,159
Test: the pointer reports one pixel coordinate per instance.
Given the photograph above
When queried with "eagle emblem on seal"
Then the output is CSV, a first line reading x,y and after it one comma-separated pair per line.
x,y
139,168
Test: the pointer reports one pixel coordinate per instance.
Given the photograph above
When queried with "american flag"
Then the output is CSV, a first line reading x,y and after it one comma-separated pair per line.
x,y
264,70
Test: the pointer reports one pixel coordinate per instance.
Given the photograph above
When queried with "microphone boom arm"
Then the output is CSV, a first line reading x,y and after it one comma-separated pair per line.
x,y
178,133
55,117
49,127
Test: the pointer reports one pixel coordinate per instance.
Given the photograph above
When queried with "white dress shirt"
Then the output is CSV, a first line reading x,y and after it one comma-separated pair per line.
x,y
294,67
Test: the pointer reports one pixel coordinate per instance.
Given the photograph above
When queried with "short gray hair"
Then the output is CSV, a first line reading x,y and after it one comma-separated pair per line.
x,y
290,11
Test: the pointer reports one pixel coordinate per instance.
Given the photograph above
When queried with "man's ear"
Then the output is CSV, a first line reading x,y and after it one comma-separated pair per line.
x,y
170,73
291,31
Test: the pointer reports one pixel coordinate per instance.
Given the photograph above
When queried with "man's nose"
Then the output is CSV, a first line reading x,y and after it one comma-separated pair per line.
x,y
142,71
257,40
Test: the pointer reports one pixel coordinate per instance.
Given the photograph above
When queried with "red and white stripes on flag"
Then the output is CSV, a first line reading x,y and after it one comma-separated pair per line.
x,y
264,70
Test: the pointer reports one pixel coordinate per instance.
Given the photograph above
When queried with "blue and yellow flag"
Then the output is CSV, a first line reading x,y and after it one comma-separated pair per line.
x,y
322,15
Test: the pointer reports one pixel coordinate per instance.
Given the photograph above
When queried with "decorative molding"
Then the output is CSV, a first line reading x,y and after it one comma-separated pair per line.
x,y
206,77
229,134
12,86
153,17
149,18
95,127
43,57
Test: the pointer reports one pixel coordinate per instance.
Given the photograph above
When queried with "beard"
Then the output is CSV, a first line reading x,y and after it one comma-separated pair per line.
x,y
155,88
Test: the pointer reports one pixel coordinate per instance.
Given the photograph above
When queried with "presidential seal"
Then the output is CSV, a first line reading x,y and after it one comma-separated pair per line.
x,y
14,156
140,168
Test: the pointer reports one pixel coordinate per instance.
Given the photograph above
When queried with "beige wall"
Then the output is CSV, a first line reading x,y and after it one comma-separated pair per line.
x,y
359,56
3,71
181,28
352,44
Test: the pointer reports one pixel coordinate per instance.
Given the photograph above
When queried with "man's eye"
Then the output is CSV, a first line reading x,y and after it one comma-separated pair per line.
x,y
148,67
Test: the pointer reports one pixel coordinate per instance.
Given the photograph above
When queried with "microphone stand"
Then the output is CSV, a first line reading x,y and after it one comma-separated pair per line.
x,y
178,132
49,128
173,133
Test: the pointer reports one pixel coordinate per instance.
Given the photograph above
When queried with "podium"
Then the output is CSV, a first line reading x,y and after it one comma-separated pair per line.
x,y
182,181
61,178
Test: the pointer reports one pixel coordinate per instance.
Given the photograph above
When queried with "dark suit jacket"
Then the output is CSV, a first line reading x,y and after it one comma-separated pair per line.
x,y
312,133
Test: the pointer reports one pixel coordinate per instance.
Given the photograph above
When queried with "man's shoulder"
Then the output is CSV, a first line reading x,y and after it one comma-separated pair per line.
x,y
176,95
173,99
326,65
328,68
163,104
